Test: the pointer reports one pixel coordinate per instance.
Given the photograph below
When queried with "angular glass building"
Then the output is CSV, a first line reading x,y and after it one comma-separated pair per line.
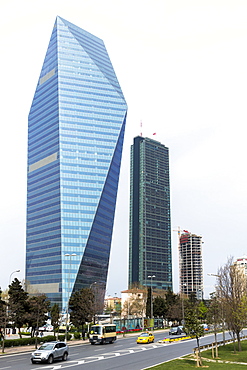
x,y
150,257
75,138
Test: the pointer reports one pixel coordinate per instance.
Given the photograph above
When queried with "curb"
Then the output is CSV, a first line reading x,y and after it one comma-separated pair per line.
x,y
25,349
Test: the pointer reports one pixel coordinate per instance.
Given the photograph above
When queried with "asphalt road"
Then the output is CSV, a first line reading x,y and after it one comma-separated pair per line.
x,y
124,354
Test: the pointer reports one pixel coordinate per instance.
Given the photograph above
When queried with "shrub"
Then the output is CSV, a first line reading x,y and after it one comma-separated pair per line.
x,y
27,341
77,335
62,337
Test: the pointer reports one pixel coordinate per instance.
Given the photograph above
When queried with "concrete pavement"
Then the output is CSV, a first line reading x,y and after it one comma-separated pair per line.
x,y
31,348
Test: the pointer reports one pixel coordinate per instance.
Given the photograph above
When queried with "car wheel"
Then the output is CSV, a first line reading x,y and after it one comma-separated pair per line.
x,y
65,356
33,362
92,342
50,359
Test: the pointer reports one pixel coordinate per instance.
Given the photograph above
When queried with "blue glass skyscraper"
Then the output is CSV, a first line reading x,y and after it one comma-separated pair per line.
x,y
75,138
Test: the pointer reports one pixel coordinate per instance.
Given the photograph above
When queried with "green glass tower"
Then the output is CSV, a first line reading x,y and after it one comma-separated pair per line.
x,y
76,130
150,258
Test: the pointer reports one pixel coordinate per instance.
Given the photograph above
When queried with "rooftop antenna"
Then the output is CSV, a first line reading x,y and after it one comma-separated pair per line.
x,y
141,128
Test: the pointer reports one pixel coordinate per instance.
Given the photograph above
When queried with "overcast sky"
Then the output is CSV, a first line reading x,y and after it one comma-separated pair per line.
x,y
182,66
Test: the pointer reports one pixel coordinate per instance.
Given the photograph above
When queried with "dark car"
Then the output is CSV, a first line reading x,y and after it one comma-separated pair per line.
x,y
175,330
48,352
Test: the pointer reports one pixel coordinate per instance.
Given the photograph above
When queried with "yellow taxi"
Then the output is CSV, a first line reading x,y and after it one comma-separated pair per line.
x,y
146,337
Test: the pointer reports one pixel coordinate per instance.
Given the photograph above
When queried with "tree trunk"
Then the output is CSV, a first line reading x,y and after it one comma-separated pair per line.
x,y
3,339
216,344
239,342
19,332
199,352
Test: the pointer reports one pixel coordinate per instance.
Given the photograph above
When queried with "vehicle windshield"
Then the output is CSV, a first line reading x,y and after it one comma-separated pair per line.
x,y
144,335
96,329
46,346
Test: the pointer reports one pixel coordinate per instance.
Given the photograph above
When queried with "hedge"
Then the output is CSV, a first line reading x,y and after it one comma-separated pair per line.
x,y
77,335
31,341
26,341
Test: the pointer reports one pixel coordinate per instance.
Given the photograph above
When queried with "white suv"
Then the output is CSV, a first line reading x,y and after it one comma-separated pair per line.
x,y
50,351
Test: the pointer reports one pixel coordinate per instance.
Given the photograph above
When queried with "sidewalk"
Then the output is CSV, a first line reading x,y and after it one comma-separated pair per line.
x,y
31,348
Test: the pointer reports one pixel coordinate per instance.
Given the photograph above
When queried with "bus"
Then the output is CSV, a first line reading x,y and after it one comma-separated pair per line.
x,y
103,334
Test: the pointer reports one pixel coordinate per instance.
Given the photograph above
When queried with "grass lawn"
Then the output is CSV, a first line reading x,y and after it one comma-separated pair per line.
x,y
226,353
188,364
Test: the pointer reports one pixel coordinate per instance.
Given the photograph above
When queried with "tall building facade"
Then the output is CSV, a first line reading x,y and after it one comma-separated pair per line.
x,y
241,263
190,264
150,257
75,137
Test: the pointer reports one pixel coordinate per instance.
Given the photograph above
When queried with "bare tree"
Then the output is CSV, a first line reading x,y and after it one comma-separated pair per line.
x,y
232,291
214,317
135,305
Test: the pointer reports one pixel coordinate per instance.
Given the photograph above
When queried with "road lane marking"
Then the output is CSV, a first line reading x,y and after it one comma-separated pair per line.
x,y
108,356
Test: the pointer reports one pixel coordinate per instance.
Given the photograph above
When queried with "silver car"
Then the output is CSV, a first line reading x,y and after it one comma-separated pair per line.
x,y
48,352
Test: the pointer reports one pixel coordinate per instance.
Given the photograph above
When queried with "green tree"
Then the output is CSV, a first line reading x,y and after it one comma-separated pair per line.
x,y
18,305
171,297
173,306
55,317
193,325
202,310
82,307
38,308
148,303
159,306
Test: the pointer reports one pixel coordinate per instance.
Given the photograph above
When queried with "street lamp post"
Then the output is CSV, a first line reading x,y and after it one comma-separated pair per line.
x,y
151,298
10,276
67,308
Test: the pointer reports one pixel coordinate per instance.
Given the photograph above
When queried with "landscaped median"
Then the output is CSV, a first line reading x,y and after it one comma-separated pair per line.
x,y
170,340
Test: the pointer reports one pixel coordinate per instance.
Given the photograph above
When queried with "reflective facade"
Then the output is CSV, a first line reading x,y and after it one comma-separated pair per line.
x,y
150,258
75,138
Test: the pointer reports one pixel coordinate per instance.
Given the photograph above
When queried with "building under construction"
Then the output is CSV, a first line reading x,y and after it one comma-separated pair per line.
x,y
190,264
